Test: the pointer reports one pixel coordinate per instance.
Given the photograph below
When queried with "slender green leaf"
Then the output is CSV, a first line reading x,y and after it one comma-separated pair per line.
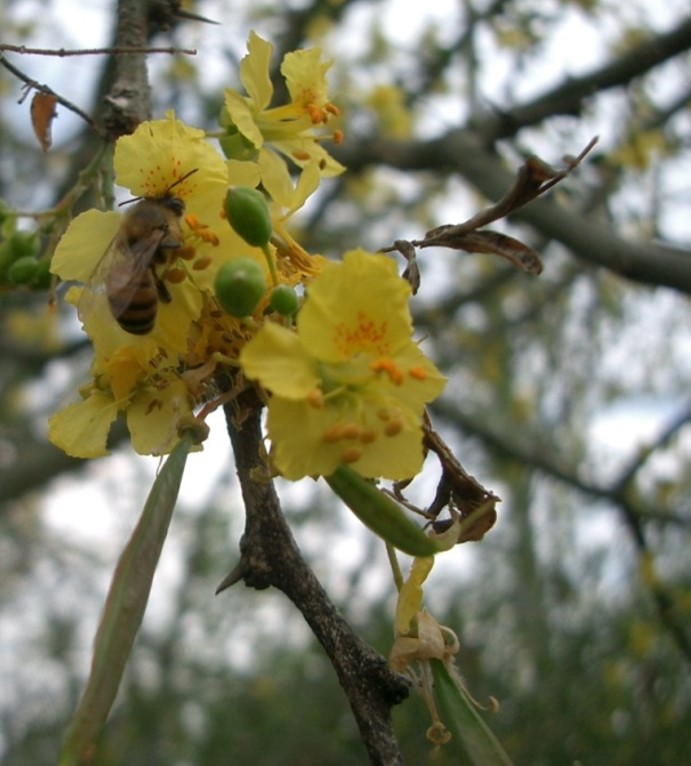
x,y
471,736
124,610
380,513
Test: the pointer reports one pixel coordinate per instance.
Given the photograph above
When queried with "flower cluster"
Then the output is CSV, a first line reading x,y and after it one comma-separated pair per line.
x,y
344,380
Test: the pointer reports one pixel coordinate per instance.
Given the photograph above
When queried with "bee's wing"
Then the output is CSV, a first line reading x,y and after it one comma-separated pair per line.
x,y
118,275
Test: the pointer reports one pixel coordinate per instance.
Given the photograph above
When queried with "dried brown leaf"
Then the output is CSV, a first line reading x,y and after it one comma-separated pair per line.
x,y
42,115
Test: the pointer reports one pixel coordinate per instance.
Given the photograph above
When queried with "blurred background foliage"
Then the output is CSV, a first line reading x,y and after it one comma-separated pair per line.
x,y
568,395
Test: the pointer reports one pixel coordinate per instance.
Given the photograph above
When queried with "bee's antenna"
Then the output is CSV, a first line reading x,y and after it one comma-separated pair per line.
x,y
165,194
180,180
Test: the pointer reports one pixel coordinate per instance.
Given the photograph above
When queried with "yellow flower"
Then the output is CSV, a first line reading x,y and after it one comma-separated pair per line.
x,y
161,152
140,374
288,129
350,386
81,429
151,163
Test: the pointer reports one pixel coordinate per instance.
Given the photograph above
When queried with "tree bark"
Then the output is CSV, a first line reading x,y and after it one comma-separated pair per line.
x,y
270,558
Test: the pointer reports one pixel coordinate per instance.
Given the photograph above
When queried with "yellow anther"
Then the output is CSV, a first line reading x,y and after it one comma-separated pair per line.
x,y
351,431
368,435
387,365
201,263
175,276
333,433
351,454
315,398
419,373
393,427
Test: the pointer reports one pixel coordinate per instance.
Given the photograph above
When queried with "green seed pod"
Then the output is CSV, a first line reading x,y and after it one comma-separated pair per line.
x,y
284,300
248,214
240,285
380,513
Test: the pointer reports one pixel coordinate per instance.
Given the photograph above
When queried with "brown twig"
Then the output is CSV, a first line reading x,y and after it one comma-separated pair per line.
x,y
32,84
271,558
115,51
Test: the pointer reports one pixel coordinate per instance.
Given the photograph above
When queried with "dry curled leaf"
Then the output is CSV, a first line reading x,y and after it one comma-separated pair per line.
x,y
495,243
534,177
42,115
458,490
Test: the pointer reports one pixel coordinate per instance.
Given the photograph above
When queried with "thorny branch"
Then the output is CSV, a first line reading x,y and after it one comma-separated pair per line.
x,y
270,558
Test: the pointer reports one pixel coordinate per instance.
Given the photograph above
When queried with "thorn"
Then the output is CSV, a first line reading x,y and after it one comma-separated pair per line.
x,y
235,575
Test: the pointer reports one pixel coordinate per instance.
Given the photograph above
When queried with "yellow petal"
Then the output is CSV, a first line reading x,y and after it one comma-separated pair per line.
x,y
153,416
243,173
296,429
276,178
81,429
305,75
277,358
242,117
357,306
159,153
84,244
410,596
254,71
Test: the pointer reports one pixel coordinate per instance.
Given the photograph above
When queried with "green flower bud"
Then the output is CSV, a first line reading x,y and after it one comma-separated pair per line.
x,y
43,277
284,300
233,144
23,270
240,285
6,258
23,243
248,214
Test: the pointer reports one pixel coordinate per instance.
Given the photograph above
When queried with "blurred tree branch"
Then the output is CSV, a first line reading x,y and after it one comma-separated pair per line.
x,y
633,510
462,151
567,98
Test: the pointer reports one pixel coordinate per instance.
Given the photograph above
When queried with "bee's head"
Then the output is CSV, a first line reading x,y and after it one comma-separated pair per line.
x,y
174,204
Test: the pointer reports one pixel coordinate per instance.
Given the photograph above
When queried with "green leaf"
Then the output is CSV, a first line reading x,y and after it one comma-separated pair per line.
x,y
471,736
379,512
124,610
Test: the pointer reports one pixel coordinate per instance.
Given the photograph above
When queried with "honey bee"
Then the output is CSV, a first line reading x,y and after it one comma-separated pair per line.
x,y
126,274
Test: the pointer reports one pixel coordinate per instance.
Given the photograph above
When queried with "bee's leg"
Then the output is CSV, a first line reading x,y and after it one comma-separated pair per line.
x,y
163,292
